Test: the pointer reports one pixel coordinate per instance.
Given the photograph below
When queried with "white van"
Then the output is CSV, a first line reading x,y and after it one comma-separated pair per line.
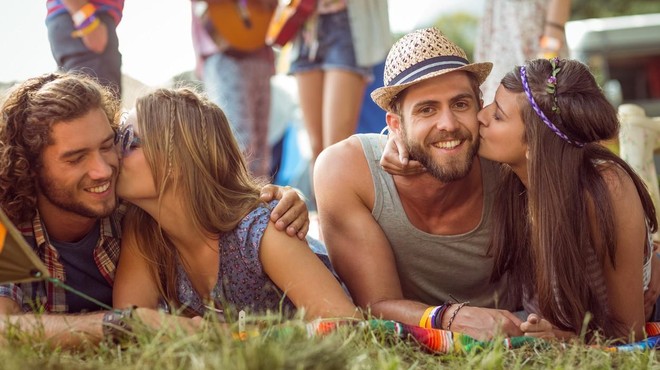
x,y
624,54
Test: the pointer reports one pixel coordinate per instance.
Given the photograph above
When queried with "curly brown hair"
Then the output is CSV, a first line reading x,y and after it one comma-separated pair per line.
x,y
29,111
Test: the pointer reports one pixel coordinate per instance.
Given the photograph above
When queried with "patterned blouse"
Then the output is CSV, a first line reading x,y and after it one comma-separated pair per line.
x,y
242,283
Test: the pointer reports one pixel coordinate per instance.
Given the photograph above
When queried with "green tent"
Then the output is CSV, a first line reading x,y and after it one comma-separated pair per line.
x,y
18,262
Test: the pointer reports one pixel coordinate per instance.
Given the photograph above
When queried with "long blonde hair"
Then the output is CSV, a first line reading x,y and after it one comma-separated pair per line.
x,y
188,144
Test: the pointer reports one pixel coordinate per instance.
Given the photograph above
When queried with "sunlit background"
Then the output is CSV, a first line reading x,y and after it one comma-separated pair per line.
x,y
154,35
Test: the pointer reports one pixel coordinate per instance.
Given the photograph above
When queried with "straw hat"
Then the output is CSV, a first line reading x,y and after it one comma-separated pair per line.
x,y
421,55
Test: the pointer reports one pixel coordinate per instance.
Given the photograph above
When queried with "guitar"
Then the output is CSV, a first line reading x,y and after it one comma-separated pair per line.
x,y
287,20
240,25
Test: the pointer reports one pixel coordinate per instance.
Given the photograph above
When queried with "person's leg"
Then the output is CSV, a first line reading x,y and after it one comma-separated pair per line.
x,y
225,87
310,92
343,92
260,68
344,81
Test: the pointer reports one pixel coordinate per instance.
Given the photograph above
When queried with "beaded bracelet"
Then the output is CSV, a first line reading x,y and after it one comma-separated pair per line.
x,y
453,315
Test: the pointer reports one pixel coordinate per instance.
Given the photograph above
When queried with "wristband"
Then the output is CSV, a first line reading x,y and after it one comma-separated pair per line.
x,y
87,30
550,43
82,14
433,317
425,317
437,323
86,23
115,324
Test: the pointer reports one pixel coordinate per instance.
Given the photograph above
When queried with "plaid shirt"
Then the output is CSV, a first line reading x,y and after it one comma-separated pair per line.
x,y
42,295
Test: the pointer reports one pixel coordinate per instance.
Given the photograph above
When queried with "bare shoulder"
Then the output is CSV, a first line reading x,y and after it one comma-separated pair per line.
x,y
340,163
618,181
341,153
342,179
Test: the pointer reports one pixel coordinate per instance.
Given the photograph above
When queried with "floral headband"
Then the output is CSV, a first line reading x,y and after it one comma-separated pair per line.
x,y
551,88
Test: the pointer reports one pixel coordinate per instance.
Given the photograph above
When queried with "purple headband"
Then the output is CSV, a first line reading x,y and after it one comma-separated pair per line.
x,y
539,112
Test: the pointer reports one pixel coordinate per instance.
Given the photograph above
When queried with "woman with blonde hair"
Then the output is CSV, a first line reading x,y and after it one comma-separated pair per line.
x,y
197,235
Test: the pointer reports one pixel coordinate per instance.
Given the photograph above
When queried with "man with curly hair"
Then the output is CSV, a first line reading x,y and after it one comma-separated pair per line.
x,y
58,170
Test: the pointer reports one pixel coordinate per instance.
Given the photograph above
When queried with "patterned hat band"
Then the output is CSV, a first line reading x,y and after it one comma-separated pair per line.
x,y
428,66
539,112
419,56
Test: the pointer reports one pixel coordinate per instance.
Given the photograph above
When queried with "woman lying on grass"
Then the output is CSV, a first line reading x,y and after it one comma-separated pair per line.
x,y
197,235
572,221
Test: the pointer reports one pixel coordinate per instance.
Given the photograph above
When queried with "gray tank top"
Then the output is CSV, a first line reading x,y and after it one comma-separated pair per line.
x,y
433,267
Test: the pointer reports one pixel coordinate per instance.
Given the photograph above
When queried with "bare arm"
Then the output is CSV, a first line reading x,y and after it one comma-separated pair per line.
x,y
653,292
358,248
58,329
97,40
295,269
395,158
133,284
624,279
291,213
362,255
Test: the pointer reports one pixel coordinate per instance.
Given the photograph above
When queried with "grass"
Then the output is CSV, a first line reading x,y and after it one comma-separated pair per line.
x,y
214,347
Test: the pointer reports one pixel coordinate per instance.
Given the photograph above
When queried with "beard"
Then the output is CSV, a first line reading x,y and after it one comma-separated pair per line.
x,y
65,199
454,167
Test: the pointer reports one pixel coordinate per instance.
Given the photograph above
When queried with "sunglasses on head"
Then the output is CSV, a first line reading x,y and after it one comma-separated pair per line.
x,y
128,140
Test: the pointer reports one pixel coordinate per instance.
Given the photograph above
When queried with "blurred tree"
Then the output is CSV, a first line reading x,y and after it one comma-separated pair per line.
x,y
582,9
461,28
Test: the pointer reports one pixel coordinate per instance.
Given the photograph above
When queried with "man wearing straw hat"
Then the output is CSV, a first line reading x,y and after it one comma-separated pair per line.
x,y
58,169
414,248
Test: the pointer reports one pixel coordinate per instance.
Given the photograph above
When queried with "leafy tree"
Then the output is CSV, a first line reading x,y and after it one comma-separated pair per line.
x,y
461,28
582,9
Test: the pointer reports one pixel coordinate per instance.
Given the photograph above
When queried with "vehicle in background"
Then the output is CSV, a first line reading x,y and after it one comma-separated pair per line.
x,y
624,54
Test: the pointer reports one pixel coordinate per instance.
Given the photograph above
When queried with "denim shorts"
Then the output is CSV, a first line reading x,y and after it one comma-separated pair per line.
x,y
335,48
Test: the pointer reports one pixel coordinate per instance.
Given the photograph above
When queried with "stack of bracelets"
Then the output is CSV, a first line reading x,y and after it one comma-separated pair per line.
x,y
85,21
432,317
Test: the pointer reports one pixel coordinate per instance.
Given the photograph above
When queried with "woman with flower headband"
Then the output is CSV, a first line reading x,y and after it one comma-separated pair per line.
x,y
572,222
198,236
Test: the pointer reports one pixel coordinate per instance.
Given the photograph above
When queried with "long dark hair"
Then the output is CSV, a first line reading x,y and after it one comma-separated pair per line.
x,y
542,234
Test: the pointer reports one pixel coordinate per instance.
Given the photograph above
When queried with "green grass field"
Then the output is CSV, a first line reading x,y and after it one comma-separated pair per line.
x,y
288,346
